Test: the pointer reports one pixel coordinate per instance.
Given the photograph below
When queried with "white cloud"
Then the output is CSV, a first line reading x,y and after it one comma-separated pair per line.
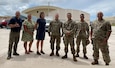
x,y
105,7
23,7
8,7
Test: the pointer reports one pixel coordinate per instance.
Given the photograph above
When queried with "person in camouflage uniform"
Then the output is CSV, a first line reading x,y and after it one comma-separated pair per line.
x,y
82,35
55,34
100,33
69,34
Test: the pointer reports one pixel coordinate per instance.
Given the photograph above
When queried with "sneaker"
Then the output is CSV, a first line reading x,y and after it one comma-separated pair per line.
x,y
42,52
85,57
38,53
16,54
52,53
64,57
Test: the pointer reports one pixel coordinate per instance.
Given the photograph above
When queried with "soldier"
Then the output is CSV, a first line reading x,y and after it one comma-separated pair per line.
x,y
100,33
55,34
69,34
82,35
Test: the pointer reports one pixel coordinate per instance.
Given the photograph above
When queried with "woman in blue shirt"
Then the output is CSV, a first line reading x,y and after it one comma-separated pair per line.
x,y
40,35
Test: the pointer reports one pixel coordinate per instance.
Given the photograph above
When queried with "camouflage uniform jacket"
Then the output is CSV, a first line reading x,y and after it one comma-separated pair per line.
x,y
100,29
69,26
55,27
82,29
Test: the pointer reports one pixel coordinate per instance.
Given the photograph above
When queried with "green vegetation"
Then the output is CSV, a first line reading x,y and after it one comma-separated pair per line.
x,y
113,24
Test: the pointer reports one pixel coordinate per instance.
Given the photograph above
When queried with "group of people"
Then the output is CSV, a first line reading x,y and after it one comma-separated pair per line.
x,y
100,32
27,34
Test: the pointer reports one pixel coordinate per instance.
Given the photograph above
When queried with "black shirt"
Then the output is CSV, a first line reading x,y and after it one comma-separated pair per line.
x,y
15,20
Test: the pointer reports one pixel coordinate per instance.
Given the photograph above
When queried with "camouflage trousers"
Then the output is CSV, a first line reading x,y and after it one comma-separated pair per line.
x,y
52,41
67,41
97,44
78,41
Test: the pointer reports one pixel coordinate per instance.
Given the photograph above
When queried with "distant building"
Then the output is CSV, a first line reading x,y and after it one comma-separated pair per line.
x,y
50,11
110,19
5,17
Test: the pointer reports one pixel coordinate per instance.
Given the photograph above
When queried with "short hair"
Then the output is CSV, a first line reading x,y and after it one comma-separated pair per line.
x,y
29,15
81,15
56,14
68,13
100,13
41,14
17,12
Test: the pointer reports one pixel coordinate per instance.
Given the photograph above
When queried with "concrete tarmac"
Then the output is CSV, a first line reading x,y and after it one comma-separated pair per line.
x,y
33,60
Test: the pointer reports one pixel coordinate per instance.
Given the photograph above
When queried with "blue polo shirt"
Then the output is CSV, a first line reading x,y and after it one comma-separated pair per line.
x,y
13,21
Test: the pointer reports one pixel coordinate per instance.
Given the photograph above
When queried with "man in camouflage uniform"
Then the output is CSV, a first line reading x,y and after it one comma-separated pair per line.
x,y
100,32
55,34
82,35
69,34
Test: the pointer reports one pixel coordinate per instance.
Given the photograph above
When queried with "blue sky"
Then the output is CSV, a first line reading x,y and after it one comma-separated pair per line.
x,y
8,7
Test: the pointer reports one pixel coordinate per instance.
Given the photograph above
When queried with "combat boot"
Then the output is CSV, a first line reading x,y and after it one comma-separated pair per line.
x,y
52,53
106,64
85,56
77,55
64,57
57,54
95,62
9,57
74,58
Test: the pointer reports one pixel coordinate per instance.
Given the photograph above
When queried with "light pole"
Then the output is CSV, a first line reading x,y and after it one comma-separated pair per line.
x,y
48,8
